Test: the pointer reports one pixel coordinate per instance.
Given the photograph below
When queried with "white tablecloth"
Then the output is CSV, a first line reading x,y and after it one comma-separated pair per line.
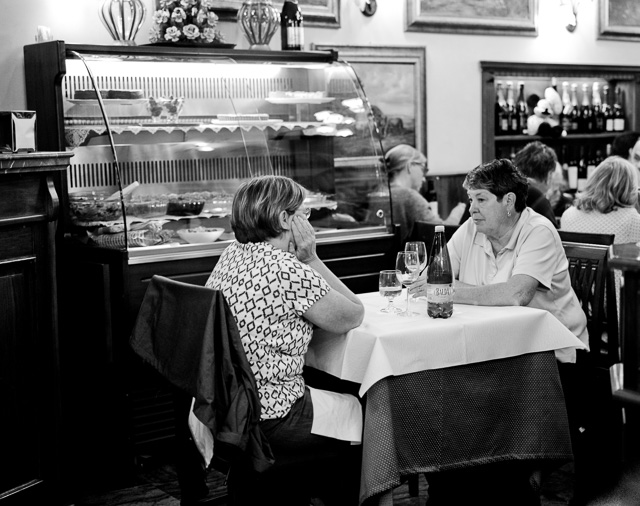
x,y
391,345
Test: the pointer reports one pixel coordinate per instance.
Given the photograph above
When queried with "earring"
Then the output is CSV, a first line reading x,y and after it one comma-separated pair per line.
x,y
509,214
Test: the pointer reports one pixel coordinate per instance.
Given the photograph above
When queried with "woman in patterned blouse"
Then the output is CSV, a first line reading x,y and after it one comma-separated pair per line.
x,y
278,290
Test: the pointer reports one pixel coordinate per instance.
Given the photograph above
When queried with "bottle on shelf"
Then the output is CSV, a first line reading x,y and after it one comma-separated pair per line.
x,y
592,163
572,173
565,116
618,111
439,278
554,83
291,26
596,105
607,110
514,123
501,116
575,110
582,170
523,111
586,113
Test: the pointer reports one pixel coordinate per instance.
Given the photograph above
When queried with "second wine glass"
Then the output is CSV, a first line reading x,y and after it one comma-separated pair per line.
x,y
408,265
420,248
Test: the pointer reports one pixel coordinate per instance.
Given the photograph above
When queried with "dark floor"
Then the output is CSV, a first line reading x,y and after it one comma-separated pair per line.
x,y
159,487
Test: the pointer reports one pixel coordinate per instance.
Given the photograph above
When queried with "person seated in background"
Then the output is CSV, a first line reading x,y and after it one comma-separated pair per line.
x,y
627,146
509,255
407,168
538,162
278,290
608,205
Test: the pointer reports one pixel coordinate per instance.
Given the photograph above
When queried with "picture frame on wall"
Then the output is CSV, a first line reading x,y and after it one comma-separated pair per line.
x,y
323,13
619,20
491,17
394,81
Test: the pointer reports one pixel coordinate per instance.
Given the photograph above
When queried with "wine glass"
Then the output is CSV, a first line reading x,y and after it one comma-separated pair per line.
x,y
408,265
420,248
390,287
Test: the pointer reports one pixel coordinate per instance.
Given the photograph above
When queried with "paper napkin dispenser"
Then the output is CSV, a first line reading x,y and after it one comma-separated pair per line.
x,y
17,131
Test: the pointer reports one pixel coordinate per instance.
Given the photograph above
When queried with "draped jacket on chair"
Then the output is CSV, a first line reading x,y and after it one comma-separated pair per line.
x,y
189,335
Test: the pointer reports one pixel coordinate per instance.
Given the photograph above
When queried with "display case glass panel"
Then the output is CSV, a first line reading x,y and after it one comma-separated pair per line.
x,y
159,156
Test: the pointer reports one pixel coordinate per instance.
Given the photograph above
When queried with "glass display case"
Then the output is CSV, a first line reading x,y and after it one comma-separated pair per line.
x,y
159,153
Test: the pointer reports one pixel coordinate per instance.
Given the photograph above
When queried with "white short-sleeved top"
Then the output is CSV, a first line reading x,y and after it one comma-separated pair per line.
x,y
535,249
268,290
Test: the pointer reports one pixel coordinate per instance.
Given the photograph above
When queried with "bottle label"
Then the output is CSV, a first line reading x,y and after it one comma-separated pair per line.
x,y
439,294
618,124
609,125
295,36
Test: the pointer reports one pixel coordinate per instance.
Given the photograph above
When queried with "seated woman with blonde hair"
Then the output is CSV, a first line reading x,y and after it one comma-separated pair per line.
x,y
608,205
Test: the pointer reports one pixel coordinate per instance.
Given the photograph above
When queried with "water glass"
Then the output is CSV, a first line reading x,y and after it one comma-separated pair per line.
x,y
390,287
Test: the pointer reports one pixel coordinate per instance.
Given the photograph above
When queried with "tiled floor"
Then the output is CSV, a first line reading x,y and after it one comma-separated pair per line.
x,y
159,487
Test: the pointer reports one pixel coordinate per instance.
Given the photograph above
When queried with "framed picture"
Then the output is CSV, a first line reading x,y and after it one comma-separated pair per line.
x,y
394,81
324,13
619,20
498,17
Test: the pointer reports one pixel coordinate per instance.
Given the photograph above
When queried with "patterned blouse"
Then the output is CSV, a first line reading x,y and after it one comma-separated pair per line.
x,y
268,291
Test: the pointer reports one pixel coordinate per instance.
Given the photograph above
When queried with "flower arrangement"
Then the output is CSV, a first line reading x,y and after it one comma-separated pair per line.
x,y
185,20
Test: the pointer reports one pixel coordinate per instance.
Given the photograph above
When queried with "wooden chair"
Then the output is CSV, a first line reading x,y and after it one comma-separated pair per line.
x,y
595,288
600,452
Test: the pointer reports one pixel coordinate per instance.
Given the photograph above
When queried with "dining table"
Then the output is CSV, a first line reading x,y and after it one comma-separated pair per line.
x,y
477,388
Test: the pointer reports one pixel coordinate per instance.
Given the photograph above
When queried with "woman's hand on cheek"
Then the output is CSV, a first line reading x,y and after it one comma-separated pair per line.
x,y
304,240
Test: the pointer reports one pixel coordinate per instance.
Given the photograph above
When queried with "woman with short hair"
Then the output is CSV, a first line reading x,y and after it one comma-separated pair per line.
x,y
278,290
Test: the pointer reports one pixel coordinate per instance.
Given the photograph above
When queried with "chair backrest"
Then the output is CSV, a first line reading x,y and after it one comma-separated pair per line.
x,y
594,286
423,231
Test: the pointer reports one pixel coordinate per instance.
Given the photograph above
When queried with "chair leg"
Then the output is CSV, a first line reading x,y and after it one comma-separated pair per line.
x,y
414,488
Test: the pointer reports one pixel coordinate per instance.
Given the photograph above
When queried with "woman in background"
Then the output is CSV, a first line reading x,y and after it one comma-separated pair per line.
x,y
407,168
608,205
538,162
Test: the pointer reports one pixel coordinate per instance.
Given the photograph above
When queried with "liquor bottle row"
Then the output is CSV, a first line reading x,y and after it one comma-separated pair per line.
x,y
578,165
600,109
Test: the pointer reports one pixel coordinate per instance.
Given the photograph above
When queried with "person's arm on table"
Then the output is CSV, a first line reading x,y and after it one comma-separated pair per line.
x,y
338,311
517,291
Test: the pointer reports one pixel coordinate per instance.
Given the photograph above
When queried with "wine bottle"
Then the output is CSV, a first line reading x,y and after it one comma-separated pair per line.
x,y
618,112
523,112
591,163
501,116
596,104
586,113
514,124
439,278
565,116
575,111
607,110
582,170
291,26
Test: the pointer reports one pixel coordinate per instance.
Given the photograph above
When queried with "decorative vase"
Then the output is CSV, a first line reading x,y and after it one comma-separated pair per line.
x,y
259,20
122,19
